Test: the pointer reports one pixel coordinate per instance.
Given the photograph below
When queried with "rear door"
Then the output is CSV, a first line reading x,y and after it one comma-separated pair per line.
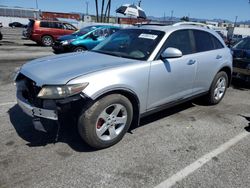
x,y
210,55
172,79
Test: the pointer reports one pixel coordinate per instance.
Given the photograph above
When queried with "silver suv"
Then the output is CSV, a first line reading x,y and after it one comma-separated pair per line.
x,y
133,73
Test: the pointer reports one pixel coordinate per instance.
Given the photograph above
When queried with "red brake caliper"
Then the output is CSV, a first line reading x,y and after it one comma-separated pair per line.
x,y
100,123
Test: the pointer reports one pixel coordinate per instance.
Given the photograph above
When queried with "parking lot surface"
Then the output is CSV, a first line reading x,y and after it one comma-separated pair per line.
x,y
191,145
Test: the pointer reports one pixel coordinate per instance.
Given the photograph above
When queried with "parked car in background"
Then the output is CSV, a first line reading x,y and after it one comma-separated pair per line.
x,y
16,24
1,36
241,59
84,39
133,73
45,32
235,39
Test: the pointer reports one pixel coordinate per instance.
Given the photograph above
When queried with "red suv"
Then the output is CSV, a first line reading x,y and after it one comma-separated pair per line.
x,y
45,32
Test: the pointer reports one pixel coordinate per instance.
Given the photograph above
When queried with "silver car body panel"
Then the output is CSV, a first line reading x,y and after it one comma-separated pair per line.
x,y
154,82
59,69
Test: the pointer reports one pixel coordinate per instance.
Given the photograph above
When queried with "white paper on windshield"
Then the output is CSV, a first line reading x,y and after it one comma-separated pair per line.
x,y
148,36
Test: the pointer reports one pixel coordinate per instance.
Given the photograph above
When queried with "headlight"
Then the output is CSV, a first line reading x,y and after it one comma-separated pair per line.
x,y
66,42
57,92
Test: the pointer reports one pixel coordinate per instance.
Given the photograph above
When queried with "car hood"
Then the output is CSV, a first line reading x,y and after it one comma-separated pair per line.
x,y
67,37
60,69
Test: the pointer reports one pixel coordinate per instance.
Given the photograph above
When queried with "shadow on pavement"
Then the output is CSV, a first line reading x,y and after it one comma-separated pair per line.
x,y
31,44
165,113
247,128
240,84
68,132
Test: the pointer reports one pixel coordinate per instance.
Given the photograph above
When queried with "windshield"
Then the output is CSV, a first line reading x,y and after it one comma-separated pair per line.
x,y
85,30
131,43
243,44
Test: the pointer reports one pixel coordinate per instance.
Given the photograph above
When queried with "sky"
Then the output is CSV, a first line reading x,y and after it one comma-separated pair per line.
x,y
210,9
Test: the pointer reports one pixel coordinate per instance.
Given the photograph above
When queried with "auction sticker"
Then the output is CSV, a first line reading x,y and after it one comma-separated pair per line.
x,y
148,36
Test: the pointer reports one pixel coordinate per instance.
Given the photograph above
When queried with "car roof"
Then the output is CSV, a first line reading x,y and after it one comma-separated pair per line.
x,y
97,26
172,28
167,28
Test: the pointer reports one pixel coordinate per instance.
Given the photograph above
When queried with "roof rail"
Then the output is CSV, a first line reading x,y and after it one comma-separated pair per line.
x,y
192,23
153,24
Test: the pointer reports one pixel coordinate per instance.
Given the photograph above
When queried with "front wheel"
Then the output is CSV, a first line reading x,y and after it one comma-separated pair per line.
x,y
79,49
218,88
105,122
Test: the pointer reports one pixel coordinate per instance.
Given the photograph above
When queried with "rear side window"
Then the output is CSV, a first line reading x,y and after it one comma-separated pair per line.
x,y
217,43
180,40
55,25
44,24
205,41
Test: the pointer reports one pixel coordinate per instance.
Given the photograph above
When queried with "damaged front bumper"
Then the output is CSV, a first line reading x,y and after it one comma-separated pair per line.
x,y
34,111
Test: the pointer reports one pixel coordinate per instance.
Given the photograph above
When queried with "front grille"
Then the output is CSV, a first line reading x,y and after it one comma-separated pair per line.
x,y
30,90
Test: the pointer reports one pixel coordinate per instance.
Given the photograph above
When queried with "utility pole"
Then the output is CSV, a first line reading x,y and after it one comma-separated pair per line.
x,y
87,8
236,18
36,4
172,14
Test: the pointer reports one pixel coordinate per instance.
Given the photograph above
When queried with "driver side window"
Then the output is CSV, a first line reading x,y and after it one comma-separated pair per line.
x,y
181,40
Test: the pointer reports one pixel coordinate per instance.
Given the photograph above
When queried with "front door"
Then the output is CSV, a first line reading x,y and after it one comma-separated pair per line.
x,y
172,79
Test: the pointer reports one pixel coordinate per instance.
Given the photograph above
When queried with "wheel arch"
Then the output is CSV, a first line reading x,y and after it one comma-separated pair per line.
x,y
47,35
132,97
228,71
80,45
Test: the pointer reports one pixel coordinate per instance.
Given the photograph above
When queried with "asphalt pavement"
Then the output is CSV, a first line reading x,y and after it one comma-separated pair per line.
x,y
191,145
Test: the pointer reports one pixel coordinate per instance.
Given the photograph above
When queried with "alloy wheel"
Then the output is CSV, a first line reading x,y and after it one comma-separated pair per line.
x,y
111,122
220,88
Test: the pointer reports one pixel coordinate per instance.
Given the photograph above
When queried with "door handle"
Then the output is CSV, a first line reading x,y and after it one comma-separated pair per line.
x,y
191,62
218,57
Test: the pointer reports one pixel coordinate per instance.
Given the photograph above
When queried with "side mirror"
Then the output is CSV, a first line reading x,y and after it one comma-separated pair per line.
x,y
171,53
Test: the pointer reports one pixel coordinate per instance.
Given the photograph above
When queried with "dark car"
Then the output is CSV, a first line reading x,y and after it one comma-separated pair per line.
x,y
16,24
1,36
241,59
84,39
45,32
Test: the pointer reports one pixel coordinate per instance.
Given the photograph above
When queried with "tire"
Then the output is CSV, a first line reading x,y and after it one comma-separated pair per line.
x,y
47,40
79,49
218,88
98,125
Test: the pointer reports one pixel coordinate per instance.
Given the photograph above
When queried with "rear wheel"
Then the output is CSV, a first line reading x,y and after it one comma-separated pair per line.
x,y
47,40
106,121
218,88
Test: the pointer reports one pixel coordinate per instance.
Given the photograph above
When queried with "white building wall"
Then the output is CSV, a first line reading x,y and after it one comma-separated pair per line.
x,y
242,31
